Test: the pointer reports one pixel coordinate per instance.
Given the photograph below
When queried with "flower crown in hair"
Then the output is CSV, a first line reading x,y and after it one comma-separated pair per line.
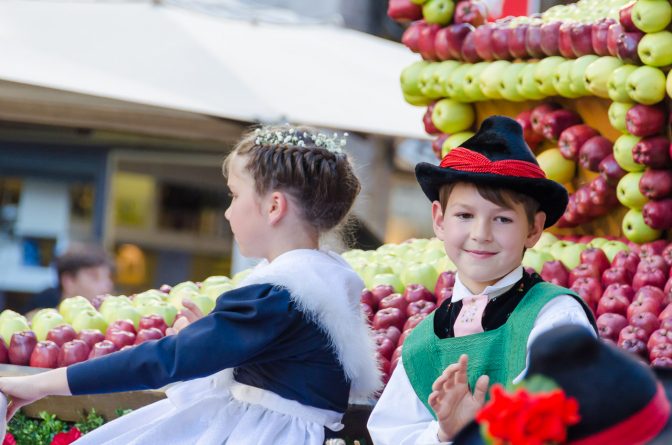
x,y
291,136
537,411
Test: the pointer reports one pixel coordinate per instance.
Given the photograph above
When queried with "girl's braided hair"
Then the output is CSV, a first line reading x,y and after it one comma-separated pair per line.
x,y
309,166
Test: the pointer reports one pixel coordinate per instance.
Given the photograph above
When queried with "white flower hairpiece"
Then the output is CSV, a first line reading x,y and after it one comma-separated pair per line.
x,y
292,136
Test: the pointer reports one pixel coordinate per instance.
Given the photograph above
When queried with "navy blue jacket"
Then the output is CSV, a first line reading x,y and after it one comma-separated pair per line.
x,y
256,329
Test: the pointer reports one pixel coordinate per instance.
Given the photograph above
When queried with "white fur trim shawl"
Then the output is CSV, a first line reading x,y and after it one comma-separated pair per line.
x,y
325,288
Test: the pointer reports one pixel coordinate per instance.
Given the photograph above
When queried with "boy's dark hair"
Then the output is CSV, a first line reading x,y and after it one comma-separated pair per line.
x,y
79,257
321,181
501,197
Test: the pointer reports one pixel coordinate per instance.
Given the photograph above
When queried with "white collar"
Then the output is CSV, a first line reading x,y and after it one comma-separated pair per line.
x,y
504,284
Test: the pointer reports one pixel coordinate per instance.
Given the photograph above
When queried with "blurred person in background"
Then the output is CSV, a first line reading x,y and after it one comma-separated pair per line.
x,y
82,269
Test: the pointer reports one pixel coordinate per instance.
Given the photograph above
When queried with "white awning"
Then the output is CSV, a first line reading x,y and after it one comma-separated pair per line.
x,y
170,57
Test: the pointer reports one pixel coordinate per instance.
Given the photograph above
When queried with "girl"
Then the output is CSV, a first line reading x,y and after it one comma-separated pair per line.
x,y
277,358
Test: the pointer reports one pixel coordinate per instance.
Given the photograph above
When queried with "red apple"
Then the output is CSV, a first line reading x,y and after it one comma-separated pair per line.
x,y
148,334
124,325
658,214
581,38
410,39
426,41
4,353
626,259
427,120
532,139
533,40
391,316
594,151
102,348
565,40
662,350
656,184
614,32
21,346
572,138
518,41
555,272
645,320
625,17
667,254
550,35
635,346
655,261
403,10
645,120
555,122
446,280
610,170
649,276
632,332
61,334
616,304
474,12
653,248
404,336
381,291
640,306
413,321
437,144
662,363
90,336
120,338
626,46
72,352
589,290
499,41
595,257
540,112
396,355
384,345
394,300
610,325
483,41
667,290
45,355
444,294
415,292
392,332
666,312
647,292
584,271
658,337
450,41
654,152
616,275
420,307
468,52
599,36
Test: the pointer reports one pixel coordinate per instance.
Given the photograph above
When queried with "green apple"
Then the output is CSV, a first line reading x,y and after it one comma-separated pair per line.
x,y
455,140
418,2
122,312
213,292
668,85
556,167
418,101
546,240
562,81
89,319
472,82
420,273
508,82
651,15
393,262
646,85
597,242
41,313
627,191
616,86
149,295
543,74
636,230
113,302
656,49
438,11
571,255
490,78
186,289
240,276
388,278
598,73
166,310
217,280
611,248
72,306
430,255
427,81
11,325
410,79
451,116
443,72
46,322
536,259
7,314
617,113
204,303
373,269
527,86
623,153
456,83
444,264
577,74
557,248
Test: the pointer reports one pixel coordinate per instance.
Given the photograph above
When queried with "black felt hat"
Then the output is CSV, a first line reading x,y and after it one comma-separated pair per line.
x,y
498,156
621,402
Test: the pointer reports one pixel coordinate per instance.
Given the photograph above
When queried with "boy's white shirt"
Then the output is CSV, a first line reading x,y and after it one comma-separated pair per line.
x,y
400,418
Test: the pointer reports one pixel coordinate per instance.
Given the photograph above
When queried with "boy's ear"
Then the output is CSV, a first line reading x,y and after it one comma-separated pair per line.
x,y
536,230
277,207
437,219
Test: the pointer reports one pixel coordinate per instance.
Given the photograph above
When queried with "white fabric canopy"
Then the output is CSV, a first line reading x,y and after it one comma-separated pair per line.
x,y
174,58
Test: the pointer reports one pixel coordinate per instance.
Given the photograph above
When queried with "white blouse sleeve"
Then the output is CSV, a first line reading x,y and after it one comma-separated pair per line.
x,y
399,417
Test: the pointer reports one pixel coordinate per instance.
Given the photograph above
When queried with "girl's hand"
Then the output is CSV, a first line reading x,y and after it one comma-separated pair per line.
x,y
189,314
453,402
22,391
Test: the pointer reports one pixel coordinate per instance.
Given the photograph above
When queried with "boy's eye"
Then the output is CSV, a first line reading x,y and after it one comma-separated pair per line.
x,y
503,219
463,215
231,195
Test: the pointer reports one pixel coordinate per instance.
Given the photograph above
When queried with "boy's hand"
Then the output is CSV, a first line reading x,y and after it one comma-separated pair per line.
x,y
453,402
189,314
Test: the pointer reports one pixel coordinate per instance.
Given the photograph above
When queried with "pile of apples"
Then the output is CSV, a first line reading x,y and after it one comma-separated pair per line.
x,y
628,287
80,329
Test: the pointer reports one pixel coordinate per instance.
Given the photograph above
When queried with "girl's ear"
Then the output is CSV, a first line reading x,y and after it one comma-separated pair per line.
x,y
437,219
536,230
278,207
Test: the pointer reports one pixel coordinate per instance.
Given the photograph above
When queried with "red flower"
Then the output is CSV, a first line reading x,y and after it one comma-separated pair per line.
x,y
66,438
525,418
9,439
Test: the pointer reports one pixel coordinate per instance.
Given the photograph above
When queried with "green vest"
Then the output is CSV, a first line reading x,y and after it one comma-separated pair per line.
x,y
500,353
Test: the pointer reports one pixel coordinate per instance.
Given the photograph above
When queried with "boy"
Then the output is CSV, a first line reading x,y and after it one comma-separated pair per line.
x,y
490,201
